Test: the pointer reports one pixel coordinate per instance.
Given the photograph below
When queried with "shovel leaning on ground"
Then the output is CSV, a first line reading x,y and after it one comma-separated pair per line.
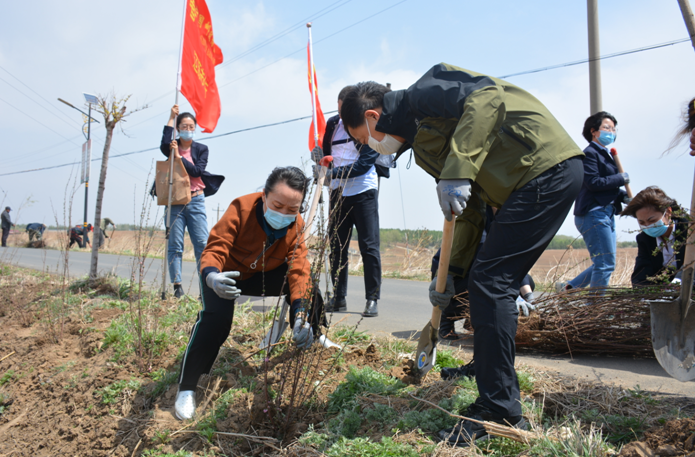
x,y
280,323
673,323
426,352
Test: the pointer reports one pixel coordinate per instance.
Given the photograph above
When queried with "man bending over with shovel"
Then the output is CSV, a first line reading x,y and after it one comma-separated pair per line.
x,y
257,249
476,133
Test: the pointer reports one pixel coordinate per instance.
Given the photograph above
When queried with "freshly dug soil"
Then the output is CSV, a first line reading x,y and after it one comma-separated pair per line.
x,y
675,438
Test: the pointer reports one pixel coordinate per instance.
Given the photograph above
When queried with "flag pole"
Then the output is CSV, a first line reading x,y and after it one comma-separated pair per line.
x,y
322,169
171,160
313,87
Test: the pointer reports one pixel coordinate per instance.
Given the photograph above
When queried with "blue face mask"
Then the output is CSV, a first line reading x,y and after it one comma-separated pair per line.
x,y
186,135
278,221
606,138
656,229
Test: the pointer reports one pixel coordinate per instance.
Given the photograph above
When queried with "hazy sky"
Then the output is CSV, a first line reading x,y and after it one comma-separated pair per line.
x,y
61,49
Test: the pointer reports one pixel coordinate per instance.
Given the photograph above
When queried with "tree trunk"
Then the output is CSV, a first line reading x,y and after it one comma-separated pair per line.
x,y
100,197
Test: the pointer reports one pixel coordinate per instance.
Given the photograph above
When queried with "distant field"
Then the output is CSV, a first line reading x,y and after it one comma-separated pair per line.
x,y
398,260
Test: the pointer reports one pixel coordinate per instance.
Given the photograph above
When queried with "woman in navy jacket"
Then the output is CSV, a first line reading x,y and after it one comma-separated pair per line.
x,y
600,198
203,184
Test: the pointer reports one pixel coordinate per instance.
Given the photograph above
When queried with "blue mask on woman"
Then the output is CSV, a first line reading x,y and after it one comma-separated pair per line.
x,y
606,138
278,221
186,135
656,229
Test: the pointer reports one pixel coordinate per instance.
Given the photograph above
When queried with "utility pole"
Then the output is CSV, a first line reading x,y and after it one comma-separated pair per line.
x,y
86,158
688,18
218,212
594,53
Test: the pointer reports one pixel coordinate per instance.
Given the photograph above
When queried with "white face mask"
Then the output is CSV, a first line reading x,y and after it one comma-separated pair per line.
x,y
389,145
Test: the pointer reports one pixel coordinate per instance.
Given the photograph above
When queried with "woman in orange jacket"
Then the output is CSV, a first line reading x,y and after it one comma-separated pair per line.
x,y
257,249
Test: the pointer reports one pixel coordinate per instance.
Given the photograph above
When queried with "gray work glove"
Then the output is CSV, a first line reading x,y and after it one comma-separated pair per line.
x,y
442,299
453,195
316,154
626,199
524,306
626,177
223,284
315,169
302,334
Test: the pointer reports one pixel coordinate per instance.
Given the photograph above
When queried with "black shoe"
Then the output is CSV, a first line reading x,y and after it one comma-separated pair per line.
x,y
371,309
178,291
336,305
466,432
467,370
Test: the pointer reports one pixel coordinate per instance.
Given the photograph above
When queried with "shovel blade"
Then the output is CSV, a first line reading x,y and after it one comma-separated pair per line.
x,y
673,338
275,333
426,353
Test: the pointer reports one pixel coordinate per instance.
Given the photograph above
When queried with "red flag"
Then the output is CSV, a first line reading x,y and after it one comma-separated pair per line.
x,y
199,56
321,121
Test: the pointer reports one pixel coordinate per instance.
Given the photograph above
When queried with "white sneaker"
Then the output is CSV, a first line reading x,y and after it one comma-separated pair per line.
x,y
326,343
185,404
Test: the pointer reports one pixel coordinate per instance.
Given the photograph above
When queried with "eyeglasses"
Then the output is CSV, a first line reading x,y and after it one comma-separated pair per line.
x,y
608,128
187,128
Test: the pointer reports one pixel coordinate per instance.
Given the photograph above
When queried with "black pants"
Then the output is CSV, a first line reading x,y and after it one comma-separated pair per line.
x,y
521,231
5,234
214,322
362,212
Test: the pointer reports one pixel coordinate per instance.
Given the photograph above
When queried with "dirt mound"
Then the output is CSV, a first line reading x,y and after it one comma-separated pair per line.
x,y
675,438
407,372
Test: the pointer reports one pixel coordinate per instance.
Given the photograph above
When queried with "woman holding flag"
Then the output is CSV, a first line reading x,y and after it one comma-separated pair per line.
x,y
203,184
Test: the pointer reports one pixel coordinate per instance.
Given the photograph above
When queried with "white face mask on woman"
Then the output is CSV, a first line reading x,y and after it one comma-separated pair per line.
x,y
389,145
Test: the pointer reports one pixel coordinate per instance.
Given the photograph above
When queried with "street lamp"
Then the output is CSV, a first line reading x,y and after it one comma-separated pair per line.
x,y
86,156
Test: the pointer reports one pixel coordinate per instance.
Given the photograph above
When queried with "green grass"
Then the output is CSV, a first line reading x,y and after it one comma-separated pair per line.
x,y
349,335
112,393
364,447
9,374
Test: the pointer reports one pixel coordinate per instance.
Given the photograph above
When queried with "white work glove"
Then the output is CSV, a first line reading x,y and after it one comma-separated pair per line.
x,y
626,177
315,169
442,299
317,154
302,334
524,306
676,281
626,199
223,284
453,195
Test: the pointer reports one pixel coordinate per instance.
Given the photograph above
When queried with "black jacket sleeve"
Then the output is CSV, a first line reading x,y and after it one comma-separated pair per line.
x,y
199,154
646,264
592,176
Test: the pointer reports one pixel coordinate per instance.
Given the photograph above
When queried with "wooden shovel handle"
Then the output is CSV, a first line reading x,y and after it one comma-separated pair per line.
x,y
689,247
614,153
443,270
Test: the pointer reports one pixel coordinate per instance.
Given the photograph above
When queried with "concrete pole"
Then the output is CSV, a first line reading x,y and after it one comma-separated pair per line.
x,y
594,53
688,18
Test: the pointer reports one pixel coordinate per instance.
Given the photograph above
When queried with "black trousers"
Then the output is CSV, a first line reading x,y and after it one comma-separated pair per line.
x,y
5,234
362,212
214,322
521,231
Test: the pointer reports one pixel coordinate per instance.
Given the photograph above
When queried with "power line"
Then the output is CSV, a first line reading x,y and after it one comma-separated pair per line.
x,y
42,98
156,149
577,62
35,120
607,56
288,55
273,38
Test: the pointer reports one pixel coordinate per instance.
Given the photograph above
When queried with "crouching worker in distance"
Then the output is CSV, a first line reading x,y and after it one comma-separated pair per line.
x,y
661,242
257,249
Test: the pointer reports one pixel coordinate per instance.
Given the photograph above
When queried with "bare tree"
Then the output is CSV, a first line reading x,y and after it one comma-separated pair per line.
x,y
113,108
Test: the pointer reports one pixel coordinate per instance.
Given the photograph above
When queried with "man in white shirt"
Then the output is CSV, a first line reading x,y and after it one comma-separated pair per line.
x,y
354,190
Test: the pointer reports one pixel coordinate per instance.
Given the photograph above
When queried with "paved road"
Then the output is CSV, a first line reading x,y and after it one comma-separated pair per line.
x,y
403,309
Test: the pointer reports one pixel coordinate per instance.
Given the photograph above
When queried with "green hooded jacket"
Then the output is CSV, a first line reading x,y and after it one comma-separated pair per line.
x,y
467,125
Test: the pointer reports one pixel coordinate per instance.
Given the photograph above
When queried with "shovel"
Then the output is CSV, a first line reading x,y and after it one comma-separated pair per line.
x,y
280,324
673,323
427,345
